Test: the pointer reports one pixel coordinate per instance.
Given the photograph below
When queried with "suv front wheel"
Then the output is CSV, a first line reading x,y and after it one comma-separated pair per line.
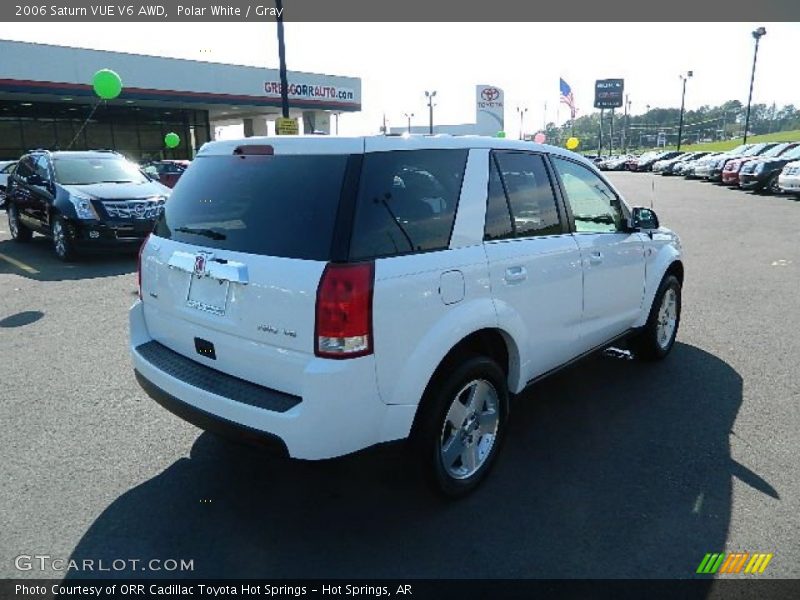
x,y
62,240
462,424
657,337
19,233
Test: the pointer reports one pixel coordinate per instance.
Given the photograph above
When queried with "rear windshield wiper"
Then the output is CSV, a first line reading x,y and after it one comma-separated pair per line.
x,y
209,233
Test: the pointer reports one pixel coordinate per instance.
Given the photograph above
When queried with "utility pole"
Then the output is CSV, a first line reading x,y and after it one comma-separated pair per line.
x,y
282,61
757,35
685,78
626,129
429,96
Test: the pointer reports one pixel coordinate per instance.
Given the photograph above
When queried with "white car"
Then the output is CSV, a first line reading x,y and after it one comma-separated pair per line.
x,y
789,179
6,168
325,294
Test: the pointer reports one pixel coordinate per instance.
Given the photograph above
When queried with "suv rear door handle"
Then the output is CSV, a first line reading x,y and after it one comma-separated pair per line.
x,y
516,274
595,258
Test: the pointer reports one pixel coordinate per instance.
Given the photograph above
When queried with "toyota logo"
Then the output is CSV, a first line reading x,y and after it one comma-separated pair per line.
x,y
490,94
139,210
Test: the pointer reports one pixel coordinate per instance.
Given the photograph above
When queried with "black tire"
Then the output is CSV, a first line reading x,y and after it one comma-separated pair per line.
x,y
432,426
771,187
63,245
19,232
650,344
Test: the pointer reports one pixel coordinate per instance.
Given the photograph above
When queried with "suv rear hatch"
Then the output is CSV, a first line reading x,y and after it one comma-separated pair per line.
x,y
230,274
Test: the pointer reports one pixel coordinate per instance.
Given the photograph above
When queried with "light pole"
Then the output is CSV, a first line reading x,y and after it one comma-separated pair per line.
x,y
647,119
521,112
757,35
408,118
685,78
429,96
282,61
626,130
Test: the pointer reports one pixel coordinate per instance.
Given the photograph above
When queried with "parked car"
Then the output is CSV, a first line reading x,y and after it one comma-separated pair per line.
x,y
762,174
167,172
689,168
789,179
6,168
716,168
645,162
633,162
669,166
413,286
83,200
730,174
616,163
704,166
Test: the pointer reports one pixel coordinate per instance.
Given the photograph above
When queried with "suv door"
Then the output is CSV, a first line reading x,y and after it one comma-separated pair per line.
x,y
41,190
613,258
534,262
20,191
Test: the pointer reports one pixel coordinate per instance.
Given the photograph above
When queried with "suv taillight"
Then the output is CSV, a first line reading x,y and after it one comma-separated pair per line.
x,y
343,326
139,267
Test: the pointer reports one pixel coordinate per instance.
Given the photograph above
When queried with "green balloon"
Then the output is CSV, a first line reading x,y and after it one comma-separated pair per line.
x,y
107,84
172,140
501,134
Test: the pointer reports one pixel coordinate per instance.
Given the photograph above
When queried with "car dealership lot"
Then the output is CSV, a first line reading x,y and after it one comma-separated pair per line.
x,y
612,468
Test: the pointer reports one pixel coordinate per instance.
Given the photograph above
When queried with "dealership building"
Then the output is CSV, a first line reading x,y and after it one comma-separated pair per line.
x,y
47,101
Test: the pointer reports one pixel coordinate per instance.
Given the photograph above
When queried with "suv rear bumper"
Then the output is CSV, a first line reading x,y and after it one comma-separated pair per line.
x,y
339,410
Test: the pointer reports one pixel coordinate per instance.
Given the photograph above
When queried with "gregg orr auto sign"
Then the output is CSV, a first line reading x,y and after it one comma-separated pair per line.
x,y
311,92
608,93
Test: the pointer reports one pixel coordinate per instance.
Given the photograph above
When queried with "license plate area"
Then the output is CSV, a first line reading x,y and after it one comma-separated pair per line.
x,y
208,294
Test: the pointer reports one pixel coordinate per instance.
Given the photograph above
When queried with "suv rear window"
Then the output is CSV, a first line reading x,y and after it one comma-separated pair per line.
x,y
406,202
270,205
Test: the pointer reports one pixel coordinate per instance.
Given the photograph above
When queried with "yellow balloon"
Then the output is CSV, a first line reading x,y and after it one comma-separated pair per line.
x,y
573,143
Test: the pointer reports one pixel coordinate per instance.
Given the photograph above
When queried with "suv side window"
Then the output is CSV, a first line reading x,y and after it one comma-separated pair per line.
x,y
41,167
498,214
25,168
530,194
595,207
406,202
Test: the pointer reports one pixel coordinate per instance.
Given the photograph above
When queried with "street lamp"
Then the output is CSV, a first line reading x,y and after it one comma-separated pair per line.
x,y
408,117
685,78
521,112
429,96
757,35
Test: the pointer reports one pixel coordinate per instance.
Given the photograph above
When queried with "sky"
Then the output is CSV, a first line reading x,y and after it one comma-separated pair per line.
x,y
397,62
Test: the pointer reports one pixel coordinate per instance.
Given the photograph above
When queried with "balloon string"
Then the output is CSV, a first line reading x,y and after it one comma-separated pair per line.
x,y
91,114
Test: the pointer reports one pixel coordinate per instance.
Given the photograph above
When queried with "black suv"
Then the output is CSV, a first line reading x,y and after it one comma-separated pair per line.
x,y
82,200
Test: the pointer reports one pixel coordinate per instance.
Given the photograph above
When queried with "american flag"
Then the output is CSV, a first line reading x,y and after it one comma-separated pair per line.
x,y
567,97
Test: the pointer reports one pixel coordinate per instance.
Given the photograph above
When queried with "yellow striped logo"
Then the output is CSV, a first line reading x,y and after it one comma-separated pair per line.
x,y
734,563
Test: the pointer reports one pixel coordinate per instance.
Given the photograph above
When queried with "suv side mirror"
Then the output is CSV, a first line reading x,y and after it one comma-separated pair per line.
x,y
644,218
35,179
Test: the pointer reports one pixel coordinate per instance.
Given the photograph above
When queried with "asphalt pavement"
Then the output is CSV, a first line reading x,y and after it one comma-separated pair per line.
x,y
613,468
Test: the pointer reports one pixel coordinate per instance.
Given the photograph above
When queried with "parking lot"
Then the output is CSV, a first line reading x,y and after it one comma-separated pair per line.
x,y
612,468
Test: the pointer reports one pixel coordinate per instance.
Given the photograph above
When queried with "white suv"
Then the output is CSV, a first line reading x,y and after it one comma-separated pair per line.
x,y
325,294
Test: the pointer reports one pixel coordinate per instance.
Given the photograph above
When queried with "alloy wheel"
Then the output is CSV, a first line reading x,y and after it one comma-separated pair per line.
x,y
470,429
